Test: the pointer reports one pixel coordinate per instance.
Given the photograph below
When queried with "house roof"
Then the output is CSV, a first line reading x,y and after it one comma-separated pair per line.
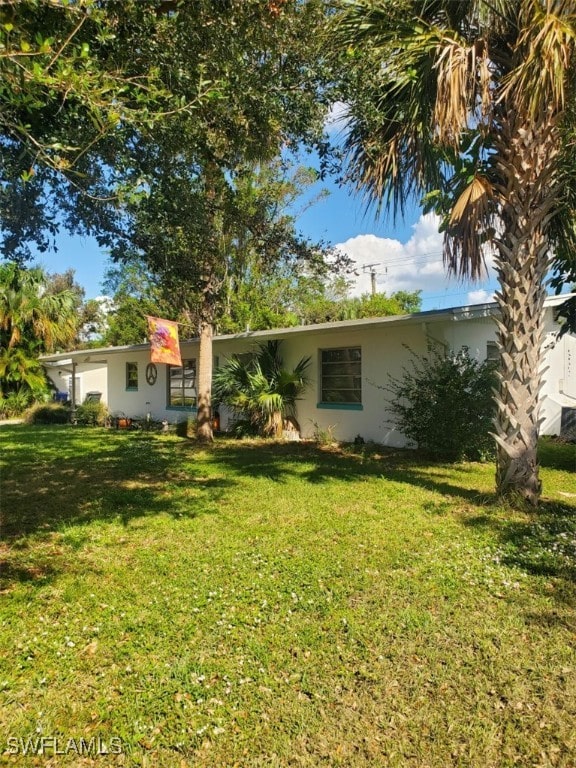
x,y
454,314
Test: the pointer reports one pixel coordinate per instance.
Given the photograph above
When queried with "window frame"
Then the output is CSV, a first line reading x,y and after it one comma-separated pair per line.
x,y
492,352
189,362
131,372
351,404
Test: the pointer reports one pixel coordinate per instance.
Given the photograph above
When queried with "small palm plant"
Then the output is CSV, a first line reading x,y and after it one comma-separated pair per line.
x,y
260,390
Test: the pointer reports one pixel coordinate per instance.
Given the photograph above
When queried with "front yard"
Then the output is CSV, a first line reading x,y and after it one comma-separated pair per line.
x,y
260,604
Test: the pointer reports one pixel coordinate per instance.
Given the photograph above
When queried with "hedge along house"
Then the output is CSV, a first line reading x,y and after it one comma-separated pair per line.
x,y
350,362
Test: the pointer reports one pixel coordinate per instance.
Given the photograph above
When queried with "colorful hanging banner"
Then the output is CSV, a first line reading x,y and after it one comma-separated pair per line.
x,y
164,344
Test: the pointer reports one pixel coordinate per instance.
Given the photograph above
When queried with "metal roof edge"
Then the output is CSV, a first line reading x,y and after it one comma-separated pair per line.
x,y
465,312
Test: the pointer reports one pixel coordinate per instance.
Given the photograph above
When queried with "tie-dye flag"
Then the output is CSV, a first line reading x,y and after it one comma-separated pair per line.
x,y
164,344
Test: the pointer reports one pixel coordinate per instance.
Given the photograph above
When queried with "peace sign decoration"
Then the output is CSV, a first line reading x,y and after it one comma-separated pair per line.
x,y
151,374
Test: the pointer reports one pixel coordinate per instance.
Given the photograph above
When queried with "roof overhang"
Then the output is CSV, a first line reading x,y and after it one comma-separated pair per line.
x,y
454,314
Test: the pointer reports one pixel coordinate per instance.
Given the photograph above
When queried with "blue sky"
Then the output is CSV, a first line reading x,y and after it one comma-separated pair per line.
x,y
407,254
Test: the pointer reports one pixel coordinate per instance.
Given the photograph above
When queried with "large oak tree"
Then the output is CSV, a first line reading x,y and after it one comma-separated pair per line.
x,y
271,92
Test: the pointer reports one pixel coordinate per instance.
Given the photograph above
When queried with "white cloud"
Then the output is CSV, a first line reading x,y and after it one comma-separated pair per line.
x,y
480,297
414,265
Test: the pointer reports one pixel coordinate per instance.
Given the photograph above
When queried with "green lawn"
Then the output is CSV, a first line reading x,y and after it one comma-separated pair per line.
x,y
260,604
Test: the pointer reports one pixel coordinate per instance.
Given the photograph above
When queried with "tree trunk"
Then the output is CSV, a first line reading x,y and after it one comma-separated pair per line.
x,y
204,385
526,163
211,283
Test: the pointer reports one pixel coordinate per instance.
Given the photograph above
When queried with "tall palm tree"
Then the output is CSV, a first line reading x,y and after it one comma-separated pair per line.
x,y
32,316
32,320
467,105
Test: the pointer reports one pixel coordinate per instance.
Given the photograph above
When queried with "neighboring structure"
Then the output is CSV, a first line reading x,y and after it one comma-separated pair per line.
x,y
350,363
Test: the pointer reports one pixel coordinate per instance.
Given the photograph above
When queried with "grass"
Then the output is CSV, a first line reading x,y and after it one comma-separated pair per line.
x,y
260,604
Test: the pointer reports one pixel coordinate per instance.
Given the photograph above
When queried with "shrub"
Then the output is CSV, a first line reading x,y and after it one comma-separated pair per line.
x,y
15,403
92,414
444,404
48,413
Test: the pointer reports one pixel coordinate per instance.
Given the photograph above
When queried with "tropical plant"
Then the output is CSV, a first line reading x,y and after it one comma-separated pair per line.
x,y
29,313
470,106
15,403
20,371
32,320
260,390
444,404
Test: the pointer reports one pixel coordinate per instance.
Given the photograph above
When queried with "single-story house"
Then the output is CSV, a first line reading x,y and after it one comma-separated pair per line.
x,y
350,362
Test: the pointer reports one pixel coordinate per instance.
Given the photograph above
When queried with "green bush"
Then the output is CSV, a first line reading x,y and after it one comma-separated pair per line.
x,y
444,404
92,414
48,413
15,403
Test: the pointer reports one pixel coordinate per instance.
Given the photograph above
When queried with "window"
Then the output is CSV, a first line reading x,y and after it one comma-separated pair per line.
x,y
341,377
131,375
492,353
182,385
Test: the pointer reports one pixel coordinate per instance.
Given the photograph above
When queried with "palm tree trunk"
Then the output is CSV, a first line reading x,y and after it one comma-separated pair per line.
x,y
204,386
528,192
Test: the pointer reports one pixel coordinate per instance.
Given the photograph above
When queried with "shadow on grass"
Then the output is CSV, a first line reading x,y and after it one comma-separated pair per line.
x,y
280,462
541,542
57,478
96,475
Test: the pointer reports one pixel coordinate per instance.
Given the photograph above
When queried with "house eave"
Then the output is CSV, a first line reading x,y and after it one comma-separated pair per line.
x,y
454,314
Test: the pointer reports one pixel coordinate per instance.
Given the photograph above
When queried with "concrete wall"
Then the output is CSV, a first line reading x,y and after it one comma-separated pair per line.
x,y
135,403
558,362
383,354
559,389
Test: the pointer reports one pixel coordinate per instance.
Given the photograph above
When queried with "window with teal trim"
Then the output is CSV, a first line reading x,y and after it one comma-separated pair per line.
x,y
131,375
341,376
182,385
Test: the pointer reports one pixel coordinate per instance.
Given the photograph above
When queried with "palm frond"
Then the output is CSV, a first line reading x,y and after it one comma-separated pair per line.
x,y
260,389
464,87
544,54
469,225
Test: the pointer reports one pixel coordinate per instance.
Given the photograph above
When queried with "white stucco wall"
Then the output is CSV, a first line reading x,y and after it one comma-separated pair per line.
x,y
559,388
90,377
146,398
384,355
558,361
